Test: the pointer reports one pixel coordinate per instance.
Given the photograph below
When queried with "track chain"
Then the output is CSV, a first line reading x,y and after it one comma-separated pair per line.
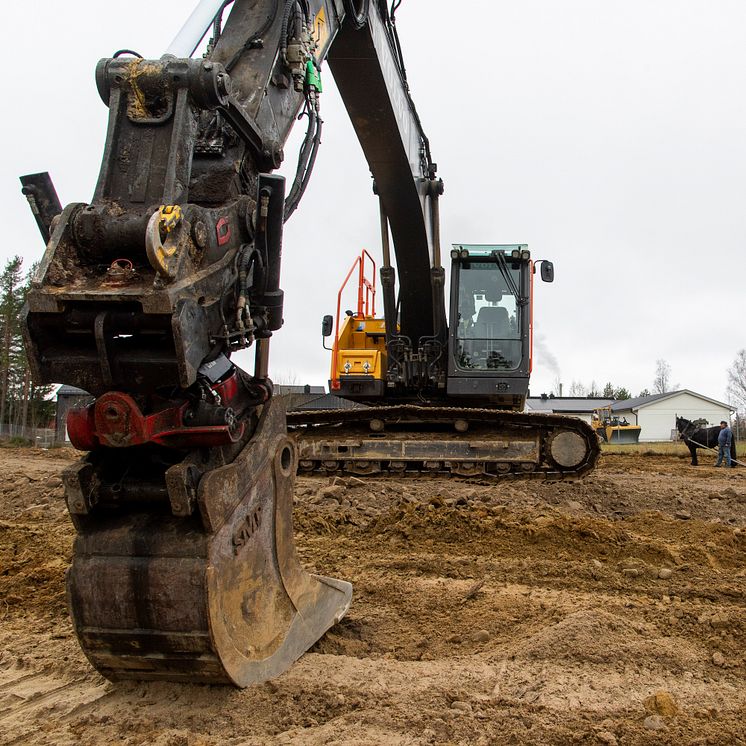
x,y
502,423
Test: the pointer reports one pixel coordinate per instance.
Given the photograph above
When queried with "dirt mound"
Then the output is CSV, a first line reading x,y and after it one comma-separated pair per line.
x,y
596,636
519,614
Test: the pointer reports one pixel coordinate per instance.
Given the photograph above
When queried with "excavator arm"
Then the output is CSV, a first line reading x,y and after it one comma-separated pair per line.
x,y
184,566
201,137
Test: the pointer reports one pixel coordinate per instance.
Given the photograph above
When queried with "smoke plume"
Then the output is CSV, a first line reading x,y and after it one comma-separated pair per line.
x,y
546,356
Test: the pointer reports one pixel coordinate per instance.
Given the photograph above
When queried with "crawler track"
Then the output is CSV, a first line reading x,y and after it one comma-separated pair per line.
x,y
408,440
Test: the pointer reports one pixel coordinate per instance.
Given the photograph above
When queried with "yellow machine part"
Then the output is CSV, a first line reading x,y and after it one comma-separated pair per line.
x,y
617,433
623,434
361,348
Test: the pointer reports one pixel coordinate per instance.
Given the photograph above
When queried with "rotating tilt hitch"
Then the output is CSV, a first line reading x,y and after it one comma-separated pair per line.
x,y
209,416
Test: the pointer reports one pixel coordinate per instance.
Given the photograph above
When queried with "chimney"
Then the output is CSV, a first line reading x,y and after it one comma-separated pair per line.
x,y
560,390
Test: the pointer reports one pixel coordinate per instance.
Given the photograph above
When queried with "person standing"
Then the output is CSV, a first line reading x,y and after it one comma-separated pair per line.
x,y
725,438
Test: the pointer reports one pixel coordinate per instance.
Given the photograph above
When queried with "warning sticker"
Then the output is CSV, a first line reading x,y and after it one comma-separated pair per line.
x,y
320,32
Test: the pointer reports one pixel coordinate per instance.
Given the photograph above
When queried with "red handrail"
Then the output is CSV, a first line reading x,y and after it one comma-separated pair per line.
x,y
531,320
366,305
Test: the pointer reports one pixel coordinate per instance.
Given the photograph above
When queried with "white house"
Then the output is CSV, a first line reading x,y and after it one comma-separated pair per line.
x,y
656,414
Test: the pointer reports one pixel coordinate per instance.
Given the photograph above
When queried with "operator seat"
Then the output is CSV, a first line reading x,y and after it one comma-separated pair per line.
x,y
493,322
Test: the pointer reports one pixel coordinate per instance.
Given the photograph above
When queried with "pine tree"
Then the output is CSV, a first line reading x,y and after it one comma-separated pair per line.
x,y
37,404
23,404
10,306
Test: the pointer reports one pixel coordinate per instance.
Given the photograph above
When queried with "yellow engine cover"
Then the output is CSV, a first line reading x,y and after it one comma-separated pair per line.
x,y
361,348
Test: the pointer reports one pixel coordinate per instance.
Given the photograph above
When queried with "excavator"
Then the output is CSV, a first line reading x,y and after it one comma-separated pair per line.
x,y
184,565
453,403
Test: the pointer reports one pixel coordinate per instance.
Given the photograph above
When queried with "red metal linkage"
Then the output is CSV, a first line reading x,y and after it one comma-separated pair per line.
x,y
115,420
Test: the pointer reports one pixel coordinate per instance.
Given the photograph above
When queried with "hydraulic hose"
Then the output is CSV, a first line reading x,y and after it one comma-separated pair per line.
x,y
358,17
292,6
217,25
306,160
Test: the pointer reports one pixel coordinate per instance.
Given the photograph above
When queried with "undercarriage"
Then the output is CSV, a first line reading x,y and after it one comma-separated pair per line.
x,y
409,440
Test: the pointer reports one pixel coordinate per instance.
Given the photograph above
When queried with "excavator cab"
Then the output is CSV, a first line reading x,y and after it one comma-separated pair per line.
x,y
488,356
490,330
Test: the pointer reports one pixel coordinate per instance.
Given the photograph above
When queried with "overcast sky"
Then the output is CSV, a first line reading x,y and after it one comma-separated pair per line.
x,y
609,136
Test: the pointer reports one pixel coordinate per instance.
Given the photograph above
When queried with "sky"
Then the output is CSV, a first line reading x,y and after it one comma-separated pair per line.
x,y
609,136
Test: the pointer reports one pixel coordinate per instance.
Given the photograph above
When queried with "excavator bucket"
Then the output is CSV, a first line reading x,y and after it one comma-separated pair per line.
x,y
215,596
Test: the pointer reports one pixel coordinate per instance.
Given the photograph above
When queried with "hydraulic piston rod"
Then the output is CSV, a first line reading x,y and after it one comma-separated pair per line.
x,y
194,30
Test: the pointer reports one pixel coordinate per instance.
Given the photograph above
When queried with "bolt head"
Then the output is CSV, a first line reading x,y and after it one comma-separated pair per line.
x,y
224,84
199,234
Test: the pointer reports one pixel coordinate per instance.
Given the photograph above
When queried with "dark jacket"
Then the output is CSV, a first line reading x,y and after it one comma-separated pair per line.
x,y
725,436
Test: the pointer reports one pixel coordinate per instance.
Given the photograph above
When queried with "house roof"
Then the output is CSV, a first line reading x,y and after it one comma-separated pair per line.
x,y
566,403
66,390
643,401
638,401
327,401
281,389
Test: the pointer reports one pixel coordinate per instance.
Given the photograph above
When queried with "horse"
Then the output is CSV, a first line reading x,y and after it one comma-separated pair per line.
x,y
696,436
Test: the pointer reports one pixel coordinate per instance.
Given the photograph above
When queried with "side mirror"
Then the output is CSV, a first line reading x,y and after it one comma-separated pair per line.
x,y
327,326
547,271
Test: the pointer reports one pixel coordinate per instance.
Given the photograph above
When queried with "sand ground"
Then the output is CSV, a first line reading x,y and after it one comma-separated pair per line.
x,y
522,614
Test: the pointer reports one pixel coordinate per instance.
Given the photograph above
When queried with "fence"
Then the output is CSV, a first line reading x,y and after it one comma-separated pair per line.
x,y
42,437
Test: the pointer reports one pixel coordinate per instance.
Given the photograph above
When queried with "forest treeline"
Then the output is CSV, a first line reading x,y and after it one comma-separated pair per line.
x,y
23,404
